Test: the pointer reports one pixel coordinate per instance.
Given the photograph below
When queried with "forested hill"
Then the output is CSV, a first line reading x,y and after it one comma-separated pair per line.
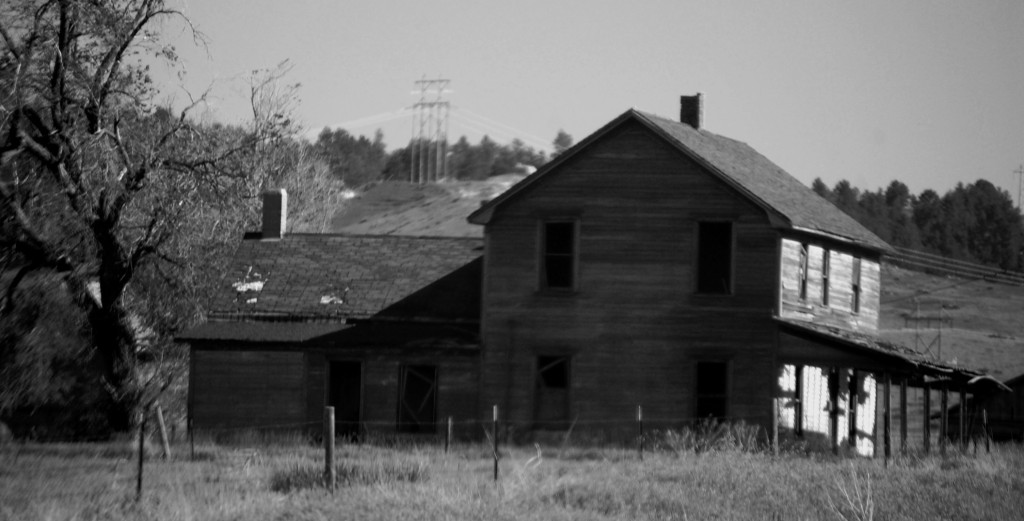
x,y
975,222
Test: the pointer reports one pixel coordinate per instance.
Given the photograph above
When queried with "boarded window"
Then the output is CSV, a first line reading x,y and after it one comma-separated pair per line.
x,y
826,272
417,408
712,389
803,271
714,257
558,258
855,281
552,392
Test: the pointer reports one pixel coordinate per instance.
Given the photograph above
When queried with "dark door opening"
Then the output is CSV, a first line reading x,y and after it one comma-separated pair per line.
x,y
345,395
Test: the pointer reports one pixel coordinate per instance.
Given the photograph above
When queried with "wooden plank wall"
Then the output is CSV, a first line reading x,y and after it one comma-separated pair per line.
x,y
635,329
247,389
839,311
457,376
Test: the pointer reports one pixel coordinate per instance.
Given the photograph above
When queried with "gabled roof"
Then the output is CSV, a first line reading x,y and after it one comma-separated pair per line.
x,y
338,277
739,166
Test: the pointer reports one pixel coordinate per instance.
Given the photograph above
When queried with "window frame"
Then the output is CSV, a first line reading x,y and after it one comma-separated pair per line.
x,y
544,423
543,285
698,253
826,275
404,427
855,286
805,256
725,396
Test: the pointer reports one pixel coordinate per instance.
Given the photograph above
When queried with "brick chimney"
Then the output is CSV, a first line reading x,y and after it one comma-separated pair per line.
x,y
691,110
275,213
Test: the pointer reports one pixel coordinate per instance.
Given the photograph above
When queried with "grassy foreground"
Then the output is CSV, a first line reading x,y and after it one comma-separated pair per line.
x,y
84,482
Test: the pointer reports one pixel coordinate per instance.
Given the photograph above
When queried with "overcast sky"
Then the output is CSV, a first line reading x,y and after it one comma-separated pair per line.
x,y
927,92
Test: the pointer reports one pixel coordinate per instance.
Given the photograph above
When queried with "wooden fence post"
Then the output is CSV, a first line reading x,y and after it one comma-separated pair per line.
x,y
494,434
984,429
163,432
142,457
330,472
191,438
448,436
640,431
775,426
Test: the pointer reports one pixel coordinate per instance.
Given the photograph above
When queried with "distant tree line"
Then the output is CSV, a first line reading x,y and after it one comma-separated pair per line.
x,y
357,161
976,222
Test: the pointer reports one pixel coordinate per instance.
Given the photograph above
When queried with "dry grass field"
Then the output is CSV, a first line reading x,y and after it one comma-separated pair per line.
x,y
283,481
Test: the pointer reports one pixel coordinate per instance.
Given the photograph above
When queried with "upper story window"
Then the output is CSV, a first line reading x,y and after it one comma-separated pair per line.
x,y
714,257
802,275
855,282
558,255
826,272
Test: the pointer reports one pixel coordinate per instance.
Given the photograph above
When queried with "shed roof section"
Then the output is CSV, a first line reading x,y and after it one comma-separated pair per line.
x,y
739,166
891,352
338,277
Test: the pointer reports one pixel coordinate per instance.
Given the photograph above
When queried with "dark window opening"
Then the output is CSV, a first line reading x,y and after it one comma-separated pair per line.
x,y
826,272
855,305
417,408
712,390
803,271
714,258
344,393
559,255
552,392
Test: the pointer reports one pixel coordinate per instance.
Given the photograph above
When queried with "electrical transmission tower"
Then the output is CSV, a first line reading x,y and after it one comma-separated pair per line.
x,y
428,146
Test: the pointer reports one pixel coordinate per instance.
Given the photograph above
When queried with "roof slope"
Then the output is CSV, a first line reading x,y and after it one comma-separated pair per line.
x,y
335,277
740,166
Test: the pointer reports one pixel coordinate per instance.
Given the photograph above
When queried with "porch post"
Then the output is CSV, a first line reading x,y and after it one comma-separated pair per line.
x,y
927,417
903,415
887,419
851,415
963,417
798,402
944,415
833,398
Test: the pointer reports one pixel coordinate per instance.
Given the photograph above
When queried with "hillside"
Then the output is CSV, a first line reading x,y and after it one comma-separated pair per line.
x,y
984,321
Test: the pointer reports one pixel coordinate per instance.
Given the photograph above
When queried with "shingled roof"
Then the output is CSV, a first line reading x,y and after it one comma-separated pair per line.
x,y
741,167
316,277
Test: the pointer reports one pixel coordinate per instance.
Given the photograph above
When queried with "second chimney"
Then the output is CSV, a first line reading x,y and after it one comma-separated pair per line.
x,y
691,110
275,213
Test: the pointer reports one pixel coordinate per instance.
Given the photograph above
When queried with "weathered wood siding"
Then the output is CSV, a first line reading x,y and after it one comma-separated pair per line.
x,y
247,389
252,388
839,311
635,328
457,379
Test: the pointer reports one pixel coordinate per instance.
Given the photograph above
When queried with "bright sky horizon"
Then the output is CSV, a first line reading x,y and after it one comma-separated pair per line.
x,y
927,92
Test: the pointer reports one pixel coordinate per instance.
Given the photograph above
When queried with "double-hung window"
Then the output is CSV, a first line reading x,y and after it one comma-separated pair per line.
x,y
558,255
714,257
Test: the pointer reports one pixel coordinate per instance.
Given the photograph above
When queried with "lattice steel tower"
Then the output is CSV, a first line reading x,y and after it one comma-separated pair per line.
x,y
428,146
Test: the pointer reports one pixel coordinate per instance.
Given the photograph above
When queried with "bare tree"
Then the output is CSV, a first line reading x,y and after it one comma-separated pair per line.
x,y
99,186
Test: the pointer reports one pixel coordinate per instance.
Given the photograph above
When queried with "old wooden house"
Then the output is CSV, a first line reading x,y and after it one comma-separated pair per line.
x,y
654,264
657,264
384,328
